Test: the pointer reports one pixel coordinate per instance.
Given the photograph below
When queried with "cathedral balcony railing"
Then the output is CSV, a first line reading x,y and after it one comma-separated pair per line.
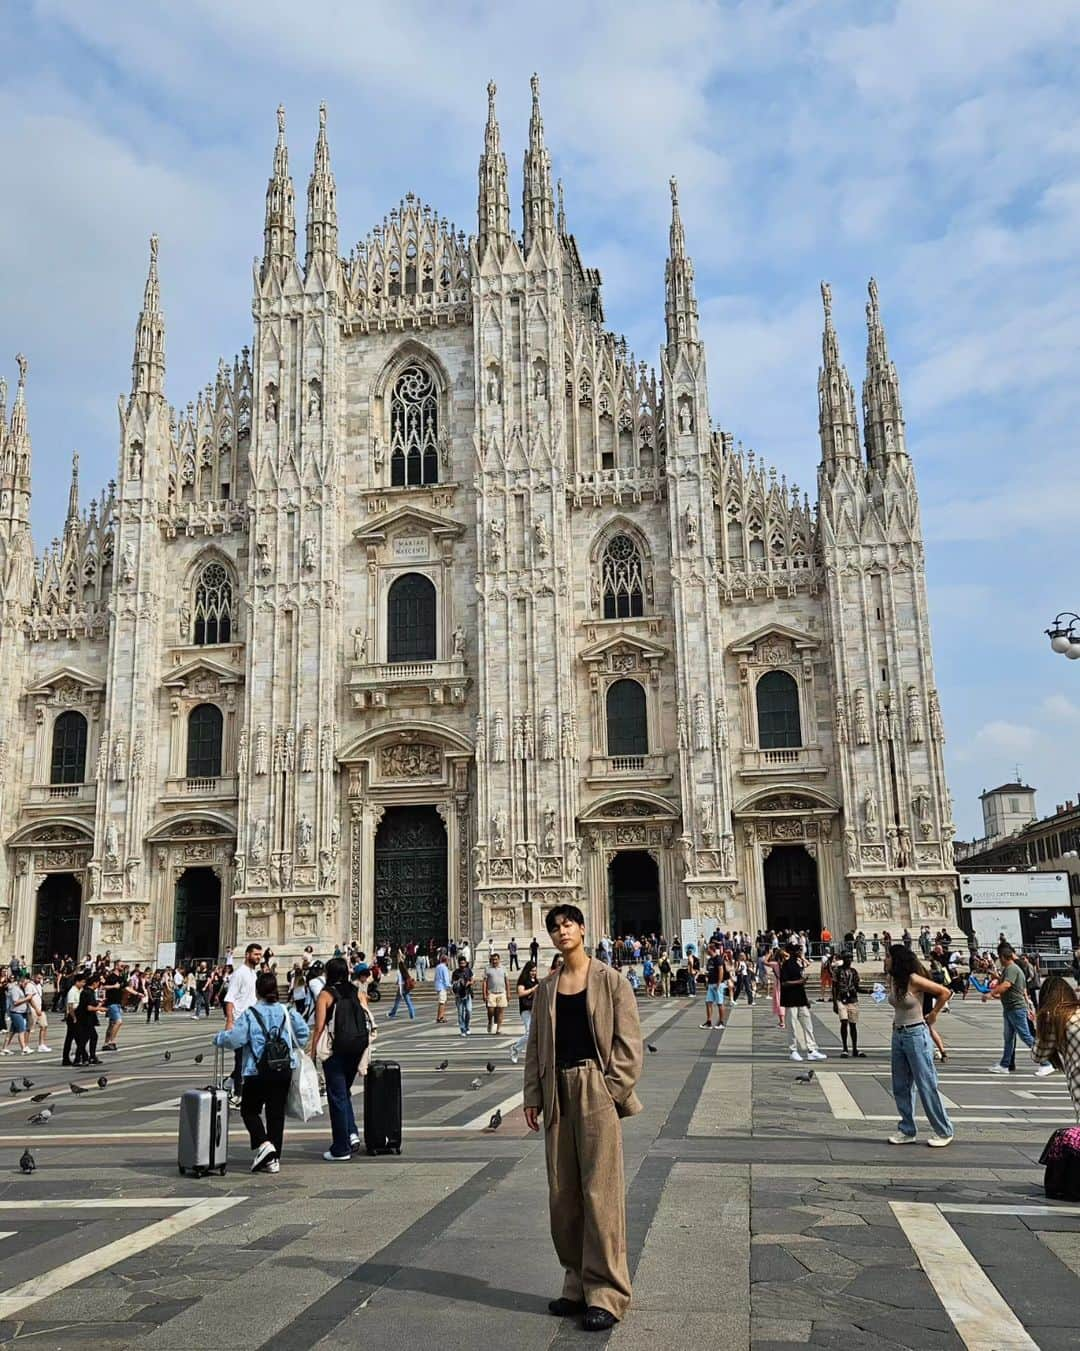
x,y
376,684
220,788
616,485
638,768
72,793
782,761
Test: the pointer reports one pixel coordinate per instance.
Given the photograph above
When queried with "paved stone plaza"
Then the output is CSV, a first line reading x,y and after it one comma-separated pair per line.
x,y
762,1212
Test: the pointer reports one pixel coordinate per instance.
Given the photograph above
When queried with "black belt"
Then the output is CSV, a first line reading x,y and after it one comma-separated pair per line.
x,y
574,1064
904,1026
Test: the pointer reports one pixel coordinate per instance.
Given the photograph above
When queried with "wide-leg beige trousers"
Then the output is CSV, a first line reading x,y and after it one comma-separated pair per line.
x,y
587,1191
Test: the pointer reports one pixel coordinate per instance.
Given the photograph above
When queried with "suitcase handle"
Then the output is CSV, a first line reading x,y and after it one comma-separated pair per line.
x,y
219,1068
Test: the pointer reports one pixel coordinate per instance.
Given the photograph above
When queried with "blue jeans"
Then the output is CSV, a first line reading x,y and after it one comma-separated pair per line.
x,y
913,1068
464,1014
1016,1025
403,997
523,1040
339,1071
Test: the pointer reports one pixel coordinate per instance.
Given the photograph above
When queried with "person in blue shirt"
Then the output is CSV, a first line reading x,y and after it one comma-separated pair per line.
x,y
442,988
265,1094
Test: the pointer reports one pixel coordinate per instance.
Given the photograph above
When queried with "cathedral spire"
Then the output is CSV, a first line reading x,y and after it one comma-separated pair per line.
x,y
493,205
836,398
681,303
148,366
15,458
883,416
561,218
279,235
322,223
73,494
538,207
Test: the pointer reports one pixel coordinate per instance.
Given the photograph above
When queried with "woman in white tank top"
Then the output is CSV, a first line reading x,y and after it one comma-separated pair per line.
x,y
912,1050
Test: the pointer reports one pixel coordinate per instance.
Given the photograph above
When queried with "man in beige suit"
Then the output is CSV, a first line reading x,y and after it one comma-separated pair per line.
x,y
582,1063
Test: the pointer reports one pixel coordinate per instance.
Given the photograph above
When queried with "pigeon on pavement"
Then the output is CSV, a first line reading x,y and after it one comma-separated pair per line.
x,y
199,1058
807,1078
40,1097
496,1120
653,1049
168,1055
27,1083
475,1083
42,1118
490,1067
442,1064
14,1088
102,1081
26,1163
78,1088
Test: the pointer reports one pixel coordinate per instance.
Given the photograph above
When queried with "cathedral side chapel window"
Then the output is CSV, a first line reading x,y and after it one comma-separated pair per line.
x,y
410,619
622,582
213,607
205,725
627,722
68,749
778,711
414,429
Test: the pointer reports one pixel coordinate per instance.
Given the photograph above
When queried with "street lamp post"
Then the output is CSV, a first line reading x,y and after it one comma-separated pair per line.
x,y
1064,635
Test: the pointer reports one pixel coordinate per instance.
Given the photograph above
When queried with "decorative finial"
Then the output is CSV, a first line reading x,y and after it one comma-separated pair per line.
x,y
534,85
674,184
872,288
3,391
322,115
491,95
21,362
281,118
153,248
826,300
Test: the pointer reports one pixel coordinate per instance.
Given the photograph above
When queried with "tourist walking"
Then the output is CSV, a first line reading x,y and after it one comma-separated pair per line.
x,y
582,1065
86,1024
527,985
912,1050
442,987
463,992
153,997
269,1057
512,955
239,997
341,1035
405,984
1011,989
845,996
772,964
1057,1033
495,999
794,999
717,981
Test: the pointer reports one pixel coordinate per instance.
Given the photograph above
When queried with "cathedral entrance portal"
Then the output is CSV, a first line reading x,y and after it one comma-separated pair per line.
x,y
410,877
197,923
56,928
791,890
634,894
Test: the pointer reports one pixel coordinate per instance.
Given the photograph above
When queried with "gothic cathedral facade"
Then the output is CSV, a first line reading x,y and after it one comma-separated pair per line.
x,y
436,608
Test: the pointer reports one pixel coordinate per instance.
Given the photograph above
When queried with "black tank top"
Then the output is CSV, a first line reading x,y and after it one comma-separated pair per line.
x,y
573,1036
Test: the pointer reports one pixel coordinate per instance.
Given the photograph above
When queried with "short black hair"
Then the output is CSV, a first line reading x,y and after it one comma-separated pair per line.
x,y
558,912
252,947
266,987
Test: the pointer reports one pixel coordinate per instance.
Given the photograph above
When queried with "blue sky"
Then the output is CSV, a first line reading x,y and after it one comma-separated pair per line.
x,y
935,145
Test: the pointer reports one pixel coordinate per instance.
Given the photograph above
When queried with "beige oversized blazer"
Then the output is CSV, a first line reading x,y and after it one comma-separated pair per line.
x,y
613,1017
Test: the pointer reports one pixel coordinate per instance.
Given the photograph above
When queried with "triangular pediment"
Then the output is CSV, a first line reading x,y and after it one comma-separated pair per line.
x,y
798,638
407,516
66,675
643,649
205,667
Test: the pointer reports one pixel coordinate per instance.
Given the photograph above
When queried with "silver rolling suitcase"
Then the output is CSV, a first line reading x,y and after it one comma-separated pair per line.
x,y
204,1126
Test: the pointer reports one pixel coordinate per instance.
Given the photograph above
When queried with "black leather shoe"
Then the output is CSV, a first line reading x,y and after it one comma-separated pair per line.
x,y
566,1308
598,1320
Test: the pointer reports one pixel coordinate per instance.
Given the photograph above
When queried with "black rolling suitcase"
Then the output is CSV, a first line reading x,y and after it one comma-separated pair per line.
x,y
1061,1158
382,1107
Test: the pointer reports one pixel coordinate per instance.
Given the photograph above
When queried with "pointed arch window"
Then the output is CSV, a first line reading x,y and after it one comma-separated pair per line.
x,y
205,725
410,619
414,429
627,723
778,711
622,579
68,749
212,612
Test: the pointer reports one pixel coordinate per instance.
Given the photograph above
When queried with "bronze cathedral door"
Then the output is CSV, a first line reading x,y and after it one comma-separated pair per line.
x,y
410,877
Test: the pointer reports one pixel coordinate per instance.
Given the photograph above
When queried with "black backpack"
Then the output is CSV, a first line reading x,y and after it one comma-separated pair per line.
x,y
275,1062
351,1034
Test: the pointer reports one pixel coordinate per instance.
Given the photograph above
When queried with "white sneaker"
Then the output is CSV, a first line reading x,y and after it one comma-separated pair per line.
x,y
337,1158
1044,1070
264,1152
899,1138
939,1141
513,1055
27,1050
44,1050
5,1051
273,1166
817,1055
795,1055
997,1069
